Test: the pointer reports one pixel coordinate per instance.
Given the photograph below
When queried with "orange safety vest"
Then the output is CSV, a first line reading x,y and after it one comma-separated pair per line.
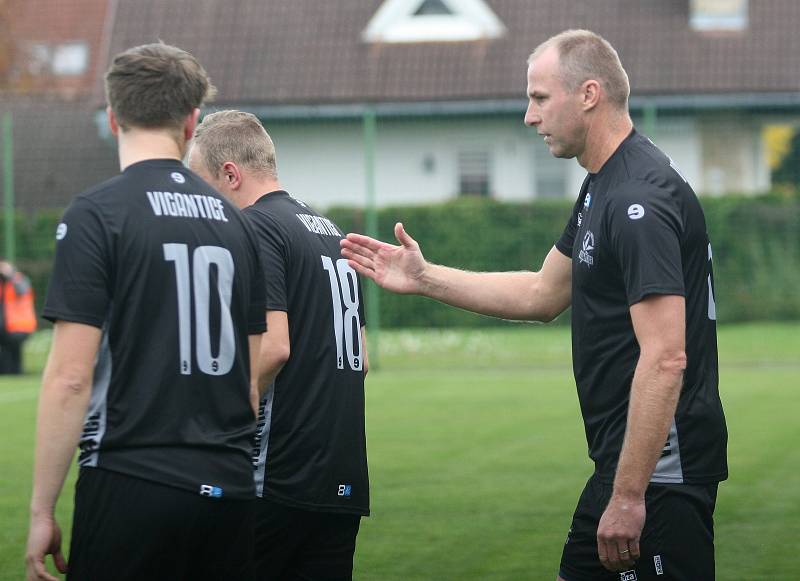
x,y
19,314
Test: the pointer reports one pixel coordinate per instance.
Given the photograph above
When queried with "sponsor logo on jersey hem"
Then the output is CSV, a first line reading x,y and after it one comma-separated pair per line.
x,y
345,490
628,575
210,491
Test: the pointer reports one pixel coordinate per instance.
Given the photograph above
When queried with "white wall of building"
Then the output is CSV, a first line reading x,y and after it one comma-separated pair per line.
x,y
417,161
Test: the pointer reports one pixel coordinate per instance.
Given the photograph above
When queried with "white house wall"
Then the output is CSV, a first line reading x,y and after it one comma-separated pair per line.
x,y
416,161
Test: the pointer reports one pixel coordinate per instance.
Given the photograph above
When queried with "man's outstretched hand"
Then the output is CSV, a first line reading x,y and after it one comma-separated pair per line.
x,y
399,269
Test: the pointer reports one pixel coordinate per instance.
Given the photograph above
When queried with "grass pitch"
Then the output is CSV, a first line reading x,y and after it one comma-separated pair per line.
x,y
477,456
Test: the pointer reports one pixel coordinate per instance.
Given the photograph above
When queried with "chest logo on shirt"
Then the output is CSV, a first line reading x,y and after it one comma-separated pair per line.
x,y
585,255
587,200
635,211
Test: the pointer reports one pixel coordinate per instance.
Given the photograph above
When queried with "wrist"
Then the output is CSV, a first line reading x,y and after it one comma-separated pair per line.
x,y
427,281
42,511
627,494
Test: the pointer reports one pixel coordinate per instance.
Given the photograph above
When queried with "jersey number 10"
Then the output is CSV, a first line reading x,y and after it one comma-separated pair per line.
x,y
344,288
198,286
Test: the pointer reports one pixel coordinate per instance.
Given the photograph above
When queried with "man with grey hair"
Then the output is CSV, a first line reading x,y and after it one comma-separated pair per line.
x,y
634,263
310,453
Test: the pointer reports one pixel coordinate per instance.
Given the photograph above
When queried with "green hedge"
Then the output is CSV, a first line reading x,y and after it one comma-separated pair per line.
x,y
756,244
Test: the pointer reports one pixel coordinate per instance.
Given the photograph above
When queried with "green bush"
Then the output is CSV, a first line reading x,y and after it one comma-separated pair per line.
x,y
756,243
755,240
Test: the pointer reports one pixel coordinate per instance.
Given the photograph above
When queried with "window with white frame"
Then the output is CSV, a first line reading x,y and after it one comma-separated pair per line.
x,y
474,172
718,15
403,21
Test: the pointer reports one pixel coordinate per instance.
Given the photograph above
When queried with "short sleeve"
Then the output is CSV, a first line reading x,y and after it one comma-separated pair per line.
x,y
645,226
256,321
80,285
273,252
361,313
567,238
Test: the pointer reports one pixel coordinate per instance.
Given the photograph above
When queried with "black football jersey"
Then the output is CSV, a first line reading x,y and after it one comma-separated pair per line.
x,y
638,229
310,449
169,270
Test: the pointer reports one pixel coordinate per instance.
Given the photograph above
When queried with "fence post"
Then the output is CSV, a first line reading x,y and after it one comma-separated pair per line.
x,y
373,293
8,188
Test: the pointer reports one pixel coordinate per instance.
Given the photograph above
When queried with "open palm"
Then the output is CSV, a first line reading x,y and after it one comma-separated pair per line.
x,y
395,268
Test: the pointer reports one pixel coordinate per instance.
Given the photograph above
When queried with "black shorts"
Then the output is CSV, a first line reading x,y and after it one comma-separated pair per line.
x,y
677,542
295,544
127,529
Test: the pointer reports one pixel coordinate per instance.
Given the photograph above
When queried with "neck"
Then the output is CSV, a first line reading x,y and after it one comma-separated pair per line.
x,y
250,194
603,137
137,145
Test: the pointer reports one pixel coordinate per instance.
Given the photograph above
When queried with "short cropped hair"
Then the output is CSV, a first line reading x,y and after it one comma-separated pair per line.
x,y
585,55
235,136
155,86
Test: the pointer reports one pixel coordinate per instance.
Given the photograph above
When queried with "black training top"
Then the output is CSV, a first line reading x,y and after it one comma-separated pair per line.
x,y
638,229
169,270
310,451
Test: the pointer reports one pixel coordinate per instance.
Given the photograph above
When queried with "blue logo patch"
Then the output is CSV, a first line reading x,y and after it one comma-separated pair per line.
x,y
211,491
345,490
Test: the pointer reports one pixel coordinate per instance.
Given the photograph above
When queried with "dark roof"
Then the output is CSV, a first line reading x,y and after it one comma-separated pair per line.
x,y
307,51
57,151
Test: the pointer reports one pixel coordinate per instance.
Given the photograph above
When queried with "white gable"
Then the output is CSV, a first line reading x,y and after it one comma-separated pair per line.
x,y
423,21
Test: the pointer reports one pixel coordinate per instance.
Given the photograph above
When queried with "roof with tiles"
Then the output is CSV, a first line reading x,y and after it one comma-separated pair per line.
x,y
306,51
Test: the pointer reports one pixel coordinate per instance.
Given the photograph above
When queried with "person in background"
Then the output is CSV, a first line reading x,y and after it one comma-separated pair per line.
x,y
17,316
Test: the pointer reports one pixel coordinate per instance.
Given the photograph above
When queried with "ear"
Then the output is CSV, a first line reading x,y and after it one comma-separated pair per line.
x,y
190,123
112,121
590,94
232,175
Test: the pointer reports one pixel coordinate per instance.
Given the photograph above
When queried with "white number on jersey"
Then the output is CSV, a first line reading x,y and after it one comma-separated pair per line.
x,y
346,322
202,259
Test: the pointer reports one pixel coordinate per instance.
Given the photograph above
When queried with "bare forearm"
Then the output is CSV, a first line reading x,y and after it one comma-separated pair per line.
x,y
269,371
62,408
654,396
507,295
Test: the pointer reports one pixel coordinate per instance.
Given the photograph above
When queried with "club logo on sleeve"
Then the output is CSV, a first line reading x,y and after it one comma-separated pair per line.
x,y
177,177
635,211
585,255
61,231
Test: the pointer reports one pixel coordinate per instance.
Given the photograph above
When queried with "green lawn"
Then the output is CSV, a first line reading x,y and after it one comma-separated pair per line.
x,y
477,456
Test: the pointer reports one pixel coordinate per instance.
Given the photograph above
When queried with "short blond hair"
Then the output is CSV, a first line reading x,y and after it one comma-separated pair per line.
x,y
235,136
584,55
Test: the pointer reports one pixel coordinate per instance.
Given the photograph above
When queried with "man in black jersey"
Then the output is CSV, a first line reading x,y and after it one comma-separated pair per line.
x,y
157,298
634,262
310,452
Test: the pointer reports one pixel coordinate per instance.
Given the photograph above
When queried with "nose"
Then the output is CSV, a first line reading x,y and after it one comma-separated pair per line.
x,y
532,119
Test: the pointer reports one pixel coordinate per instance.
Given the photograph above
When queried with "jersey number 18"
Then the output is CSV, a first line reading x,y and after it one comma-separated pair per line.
x,y
344,288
